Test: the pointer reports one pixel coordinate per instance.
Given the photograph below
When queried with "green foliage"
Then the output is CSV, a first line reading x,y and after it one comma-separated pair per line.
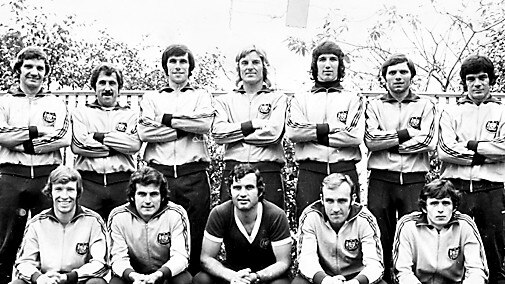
x,y
496,52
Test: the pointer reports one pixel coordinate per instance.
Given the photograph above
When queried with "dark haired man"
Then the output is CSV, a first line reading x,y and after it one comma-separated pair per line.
x,y
105,140
472,149
326,124
64,244
339,242
173,122
254,231
400,131
250,123
33,128
150,236
438,244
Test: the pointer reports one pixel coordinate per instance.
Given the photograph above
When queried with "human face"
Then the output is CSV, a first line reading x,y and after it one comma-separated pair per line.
x,y
251,68
337,203
107,89
178,69
398,78
478,86
327,67
147,200
439,211
64,197
32,74
244,192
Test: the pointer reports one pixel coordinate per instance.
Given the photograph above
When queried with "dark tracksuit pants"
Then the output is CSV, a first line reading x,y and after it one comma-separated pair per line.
x,y
390,196
189,186
485,202
272,177
104,192
20,192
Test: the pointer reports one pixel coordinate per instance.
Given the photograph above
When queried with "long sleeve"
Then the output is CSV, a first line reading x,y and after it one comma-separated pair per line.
x,y
180,246
120,259
82,139
403,256
451,148
200,120
97,266
371,248
150,128
274,129
476,270
28,259
425,138
127,141
376,136
308,258
298,126
354,130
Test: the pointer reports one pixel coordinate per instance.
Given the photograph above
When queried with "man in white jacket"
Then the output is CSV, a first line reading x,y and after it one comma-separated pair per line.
x,y
66,243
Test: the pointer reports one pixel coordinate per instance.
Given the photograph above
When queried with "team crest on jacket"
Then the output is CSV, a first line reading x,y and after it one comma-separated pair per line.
x,y
265,108
351,245
453,253
121,127
82,248
415,122
342,116
492,126
164,238
264,243
49,117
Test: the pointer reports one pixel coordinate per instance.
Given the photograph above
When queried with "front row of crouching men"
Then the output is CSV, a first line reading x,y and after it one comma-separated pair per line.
x,y
339,240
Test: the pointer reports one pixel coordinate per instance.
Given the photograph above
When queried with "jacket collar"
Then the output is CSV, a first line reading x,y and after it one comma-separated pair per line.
x,y
169,89
78,212
467,99
17,92
422,220
411,97
329,87
264,89
95,104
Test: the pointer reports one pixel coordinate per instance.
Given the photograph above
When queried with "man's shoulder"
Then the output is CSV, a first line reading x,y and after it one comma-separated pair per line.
x,y
272,209
118,212
172,208
224,209
410,220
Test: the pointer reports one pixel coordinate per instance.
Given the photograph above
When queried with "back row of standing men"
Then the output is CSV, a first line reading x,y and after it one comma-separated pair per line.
x,y
327,125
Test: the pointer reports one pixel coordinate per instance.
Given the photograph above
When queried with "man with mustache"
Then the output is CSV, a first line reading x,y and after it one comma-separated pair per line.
x,y
338,241
400,131
174,122
66,243
254,231
326,125
250,123
34,126
439,244
472,149
105,140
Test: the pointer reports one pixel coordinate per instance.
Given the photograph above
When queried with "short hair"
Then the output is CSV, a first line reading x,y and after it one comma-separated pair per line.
x,y
108,69
395,59
439,188
147,176
31,52
263,56
241,170
328,47
63,175
177,50
474,64
334,180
